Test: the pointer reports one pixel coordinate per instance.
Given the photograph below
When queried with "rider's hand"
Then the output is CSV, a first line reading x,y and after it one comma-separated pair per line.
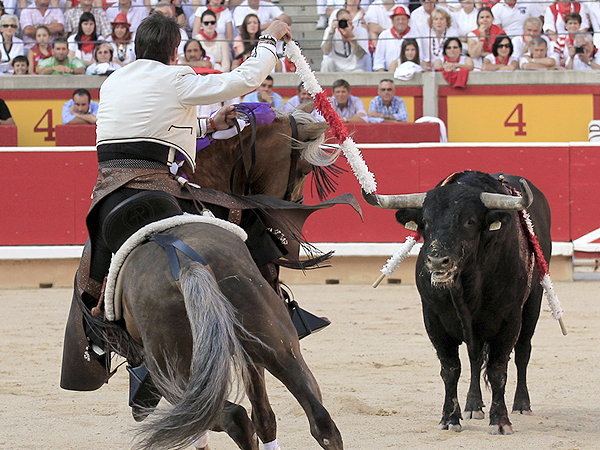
x,y
279,30
225,117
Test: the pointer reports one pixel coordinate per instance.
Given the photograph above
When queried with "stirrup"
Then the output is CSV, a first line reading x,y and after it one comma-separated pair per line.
x,y
305,323
143,395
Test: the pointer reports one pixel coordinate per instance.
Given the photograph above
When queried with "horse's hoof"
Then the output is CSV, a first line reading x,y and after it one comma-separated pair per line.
x,y
450,427
477,415
525,412
503,430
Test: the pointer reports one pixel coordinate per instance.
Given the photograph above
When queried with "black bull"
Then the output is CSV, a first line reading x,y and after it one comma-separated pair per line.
x,y
478,283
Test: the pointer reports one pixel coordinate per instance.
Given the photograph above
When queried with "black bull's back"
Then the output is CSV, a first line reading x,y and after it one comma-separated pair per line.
x,y
479,285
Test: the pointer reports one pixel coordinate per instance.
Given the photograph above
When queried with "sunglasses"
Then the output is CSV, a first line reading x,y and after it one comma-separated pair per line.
x,y
386,89
210,22
503,45
9,25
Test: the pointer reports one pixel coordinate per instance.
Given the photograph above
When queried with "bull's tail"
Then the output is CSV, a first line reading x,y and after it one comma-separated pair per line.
x,y
217,360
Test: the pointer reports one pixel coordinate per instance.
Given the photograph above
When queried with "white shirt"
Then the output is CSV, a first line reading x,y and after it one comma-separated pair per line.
x,y
578,64
224,18
79,54
464,22
161,100
135,15
511,19
491,58
432,48
266,12
558,26
341,53
294,102
381,15
388,49
419,20
519,45
18,48
549,54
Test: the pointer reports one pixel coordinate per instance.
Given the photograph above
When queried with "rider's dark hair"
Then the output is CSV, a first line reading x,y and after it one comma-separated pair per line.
x,y
157,38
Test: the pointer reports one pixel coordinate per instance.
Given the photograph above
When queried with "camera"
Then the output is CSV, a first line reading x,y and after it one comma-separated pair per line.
x,y
343,23
579,49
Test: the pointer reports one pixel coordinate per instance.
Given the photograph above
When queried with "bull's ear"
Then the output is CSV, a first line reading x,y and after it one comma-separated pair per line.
x,y
410,218
497,219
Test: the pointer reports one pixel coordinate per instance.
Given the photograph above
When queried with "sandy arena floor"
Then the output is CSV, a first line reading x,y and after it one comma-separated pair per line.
x,y
377,370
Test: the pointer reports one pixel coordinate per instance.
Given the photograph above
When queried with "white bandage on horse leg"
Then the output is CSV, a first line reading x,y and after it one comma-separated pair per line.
x,y
202,441
273,445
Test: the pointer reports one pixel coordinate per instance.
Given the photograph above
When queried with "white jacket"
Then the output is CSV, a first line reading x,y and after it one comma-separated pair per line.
x,y
148,101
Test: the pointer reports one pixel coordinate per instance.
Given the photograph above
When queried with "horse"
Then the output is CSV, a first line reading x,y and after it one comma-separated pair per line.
x,y
221,321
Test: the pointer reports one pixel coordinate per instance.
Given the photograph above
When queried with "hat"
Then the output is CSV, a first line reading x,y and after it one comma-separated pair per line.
x,y
400,11
121,19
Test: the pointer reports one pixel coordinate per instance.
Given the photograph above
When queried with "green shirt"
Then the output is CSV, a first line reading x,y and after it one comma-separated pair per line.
x,y
73,63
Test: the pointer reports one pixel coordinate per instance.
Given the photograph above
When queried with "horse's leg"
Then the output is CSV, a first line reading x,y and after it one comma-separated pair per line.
x,y
263,416
235,422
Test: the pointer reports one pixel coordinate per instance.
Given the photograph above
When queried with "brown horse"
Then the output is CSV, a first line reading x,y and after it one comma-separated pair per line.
x,y
192,330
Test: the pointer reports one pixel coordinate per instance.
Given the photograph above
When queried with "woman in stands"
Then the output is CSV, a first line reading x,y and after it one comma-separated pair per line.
x,y
440,27
10,46
408,52
82,43
481,40
213,44
244,43
224,20
103,57
42,48
452,60
122,41
502,56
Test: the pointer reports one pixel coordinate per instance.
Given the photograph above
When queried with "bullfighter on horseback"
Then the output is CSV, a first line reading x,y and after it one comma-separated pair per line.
x,y
136,143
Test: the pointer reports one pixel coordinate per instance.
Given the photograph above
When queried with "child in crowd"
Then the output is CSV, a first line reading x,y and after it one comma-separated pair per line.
x,y
41,50
20,65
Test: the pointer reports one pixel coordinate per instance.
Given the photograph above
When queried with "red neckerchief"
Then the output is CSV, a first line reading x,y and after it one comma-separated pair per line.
x,y
450,61
203,34
217,10
87,48
504,63
560,8
487,43
344,37
397,36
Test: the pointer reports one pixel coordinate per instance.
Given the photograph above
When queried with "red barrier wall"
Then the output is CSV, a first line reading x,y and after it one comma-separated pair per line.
x,y
392,132
8,136
75,135
46,194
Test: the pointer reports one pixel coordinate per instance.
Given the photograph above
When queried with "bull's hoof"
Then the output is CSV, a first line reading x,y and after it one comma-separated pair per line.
x,y
478,415
525,412
503,430
450,427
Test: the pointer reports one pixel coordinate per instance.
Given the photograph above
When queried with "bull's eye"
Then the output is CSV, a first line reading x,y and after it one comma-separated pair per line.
x,y
470,222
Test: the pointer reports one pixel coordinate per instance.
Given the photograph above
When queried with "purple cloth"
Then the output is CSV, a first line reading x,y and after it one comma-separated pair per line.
x,y
202,143
263,112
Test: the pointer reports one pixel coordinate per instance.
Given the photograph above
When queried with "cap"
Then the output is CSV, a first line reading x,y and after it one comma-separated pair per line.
x,y
400,11
121,19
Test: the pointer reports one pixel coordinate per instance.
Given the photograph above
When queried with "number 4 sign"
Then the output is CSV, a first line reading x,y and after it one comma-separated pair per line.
x,y
519,124
49,129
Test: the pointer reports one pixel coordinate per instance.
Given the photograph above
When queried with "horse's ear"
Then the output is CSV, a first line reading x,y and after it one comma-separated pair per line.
x,y
311,131
306,107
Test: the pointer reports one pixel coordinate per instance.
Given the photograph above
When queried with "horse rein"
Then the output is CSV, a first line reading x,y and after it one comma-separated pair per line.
x,y
295,155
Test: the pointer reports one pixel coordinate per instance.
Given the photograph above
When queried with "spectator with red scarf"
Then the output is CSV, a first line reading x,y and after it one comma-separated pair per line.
x,y
390,41
554,18
501,57
481,40
345,46
454,66
563,43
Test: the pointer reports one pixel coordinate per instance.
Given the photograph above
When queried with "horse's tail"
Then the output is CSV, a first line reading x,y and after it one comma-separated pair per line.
x,y
218,361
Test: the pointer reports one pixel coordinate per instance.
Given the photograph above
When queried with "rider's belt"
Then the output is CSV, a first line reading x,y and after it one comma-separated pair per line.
x,y
132,164
142,150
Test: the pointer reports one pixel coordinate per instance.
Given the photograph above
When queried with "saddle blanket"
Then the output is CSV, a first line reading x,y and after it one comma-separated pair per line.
x,y
112,305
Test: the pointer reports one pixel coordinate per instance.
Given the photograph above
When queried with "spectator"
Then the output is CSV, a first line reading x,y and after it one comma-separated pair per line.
x,y
465,19
357,13
121,41
440,27
348,107
501,57
409,56
133,14
7,9
224,20
216,48
10,45
5,116
345,46
584,55
454,66
103,61
60,63
244,43
554,18
386,107
168,9
40,13
81,44
390,41
563,43
81,109
378,18
303,96
532,28
20,65
510,15
41,50
195,57
265,94
539,58
481,40
72,16
419,20
265,11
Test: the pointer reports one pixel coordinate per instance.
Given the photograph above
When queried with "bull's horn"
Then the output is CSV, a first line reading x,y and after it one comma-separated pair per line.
x,y
503,201
395,201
